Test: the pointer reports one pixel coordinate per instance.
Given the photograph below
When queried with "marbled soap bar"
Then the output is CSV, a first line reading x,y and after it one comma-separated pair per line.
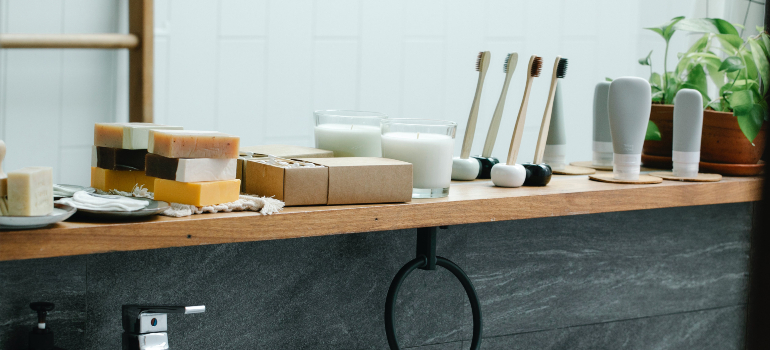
x,y
190,170
30,191
120,159
193,144
121,180
199,194
126,135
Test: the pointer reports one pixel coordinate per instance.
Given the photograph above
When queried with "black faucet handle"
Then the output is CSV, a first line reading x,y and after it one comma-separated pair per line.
x,y
42,308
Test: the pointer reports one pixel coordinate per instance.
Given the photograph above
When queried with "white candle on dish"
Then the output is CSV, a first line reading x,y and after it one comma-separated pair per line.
x,y
430,155
347,140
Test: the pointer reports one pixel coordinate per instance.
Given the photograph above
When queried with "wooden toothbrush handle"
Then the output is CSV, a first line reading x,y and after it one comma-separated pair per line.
x,y
494,126
518,130
470,129
546,123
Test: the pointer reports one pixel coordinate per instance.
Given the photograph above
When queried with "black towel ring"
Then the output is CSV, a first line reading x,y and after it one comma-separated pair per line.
x,y
426,241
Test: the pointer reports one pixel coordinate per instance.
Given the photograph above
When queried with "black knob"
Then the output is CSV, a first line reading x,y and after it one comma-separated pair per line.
x,y
42,308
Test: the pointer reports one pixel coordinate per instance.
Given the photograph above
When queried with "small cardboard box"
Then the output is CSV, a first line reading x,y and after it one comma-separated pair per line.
x,y
351,180
285,151
294,186
360,180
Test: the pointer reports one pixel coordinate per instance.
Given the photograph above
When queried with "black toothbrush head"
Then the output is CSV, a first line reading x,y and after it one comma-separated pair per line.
x,y
561,69
505,66
478,61
537,65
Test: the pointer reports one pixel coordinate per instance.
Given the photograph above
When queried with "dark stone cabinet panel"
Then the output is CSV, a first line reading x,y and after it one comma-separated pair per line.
x,y
659,278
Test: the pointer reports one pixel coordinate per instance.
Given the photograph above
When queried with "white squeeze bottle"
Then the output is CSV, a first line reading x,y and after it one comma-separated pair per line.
x,y
629,105
688,123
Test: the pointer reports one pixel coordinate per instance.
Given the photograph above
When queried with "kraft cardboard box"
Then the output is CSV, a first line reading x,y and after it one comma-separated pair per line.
x,y
350,180
361,180
285,151
294,186
281,151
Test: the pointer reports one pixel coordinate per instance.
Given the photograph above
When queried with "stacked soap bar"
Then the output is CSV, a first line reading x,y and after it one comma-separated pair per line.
x,y
193,167
118,158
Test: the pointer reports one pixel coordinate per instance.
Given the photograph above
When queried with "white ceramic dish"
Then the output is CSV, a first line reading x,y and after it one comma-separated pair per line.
x,y
60,212
155,207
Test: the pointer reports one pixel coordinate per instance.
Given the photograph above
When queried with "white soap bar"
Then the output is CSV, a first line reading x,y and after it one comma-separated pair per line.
x,y
190,169
30,191
126,135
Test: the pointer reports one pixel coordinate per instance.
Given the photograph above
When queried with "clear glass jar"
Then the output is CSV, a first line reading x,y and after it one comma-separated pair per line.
x,y
426,143
349,133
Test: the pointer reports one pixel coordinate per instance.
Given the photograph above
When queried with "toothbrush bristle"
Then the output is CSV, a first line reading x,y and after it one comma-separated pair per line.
x,y
505,66
478,61
537,65
561,69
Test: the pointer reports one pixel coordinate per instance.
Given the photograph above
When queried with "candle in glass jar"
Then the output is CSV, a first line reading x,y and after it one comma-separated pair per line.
x,y
430,155
347,140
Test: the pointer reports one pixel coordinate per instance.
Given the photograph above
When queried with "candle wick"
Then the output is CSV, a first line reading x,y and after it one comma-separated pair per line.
x,y
418,135
351,127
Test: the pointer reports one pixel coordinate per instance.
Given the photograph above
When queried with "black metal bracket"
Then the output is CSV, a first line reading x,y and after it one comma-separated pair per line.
x,y
426,259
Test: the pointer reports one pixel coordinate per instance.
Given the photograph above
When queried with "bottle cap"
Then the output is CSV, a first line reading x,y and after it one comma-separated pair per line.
x,y
626,166
685,163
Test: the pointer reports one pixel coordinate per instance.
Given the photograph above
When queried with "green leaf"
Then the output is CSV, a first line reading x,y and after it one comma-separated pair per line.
x,y
672,86
653,134
716,105
760,59
750,121
766,41
667,30
707,25
743,84
716,75
731,64
760,29
741,101
646,60
751,68
657,96
730,43
655,79
607,78
696,80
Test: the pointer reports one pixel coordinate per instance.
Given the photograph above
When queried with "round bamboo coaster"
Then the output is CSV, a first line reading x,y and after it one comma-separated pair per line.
x,y
643,179
589,164
574,170
668,175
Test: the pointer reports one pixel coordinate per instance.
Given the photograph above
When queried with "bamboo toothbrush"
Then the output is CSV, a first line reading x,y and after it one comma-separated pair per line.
x,y
464,167
539,174
511,174
486,159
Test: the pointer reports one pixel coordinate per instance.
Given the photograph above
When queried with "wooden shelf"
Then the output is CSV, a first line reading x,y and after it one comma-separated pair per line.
x,y
468,202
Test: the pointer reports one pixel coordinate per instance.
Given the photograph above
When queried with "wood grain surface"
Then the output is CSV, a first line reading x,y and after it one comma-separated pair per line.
x,y
468,202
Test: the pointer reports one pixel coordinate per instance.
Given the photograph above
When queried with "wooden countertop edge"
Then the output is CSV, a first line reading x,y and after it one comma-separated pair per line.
x,y
20,245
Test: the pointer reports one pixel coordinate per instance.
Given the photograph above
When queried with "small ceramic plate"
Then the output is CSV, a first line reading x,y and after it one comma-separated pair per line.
x,y
68,189
155,207
60,212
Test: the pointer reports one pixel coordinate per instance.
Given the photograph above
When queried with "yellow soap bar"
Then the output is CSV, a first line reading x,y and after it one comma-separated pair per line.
x,y
121,180
199,194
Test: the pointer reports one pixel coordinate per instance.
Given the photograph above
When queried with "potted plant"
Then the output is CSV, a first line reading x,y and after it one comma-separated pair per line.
x,y
734,121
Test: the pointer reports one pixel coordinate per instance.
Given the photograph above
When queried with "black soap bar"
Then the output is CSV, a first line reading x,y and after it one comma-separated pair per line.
x,y
161,167
120,159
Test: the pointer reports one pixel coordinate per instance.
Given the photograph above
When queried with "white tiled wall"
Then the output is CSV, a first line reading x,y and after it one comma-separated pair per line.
x,y
258,68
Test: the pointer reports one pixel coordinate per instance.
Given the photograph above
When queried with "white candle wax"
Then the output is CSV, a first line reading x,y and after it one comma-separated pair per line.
x,y
347,140
430,155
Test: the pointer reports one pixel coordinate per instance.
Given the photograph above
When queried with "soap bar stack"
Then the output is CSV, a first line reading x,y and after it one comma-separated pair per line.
x,y
118,158
193,167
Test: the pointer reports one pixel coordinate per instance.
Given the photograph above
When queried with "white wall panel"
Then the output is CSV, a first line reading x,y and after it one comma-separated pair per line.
x,y
192,64
243,18
241,89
